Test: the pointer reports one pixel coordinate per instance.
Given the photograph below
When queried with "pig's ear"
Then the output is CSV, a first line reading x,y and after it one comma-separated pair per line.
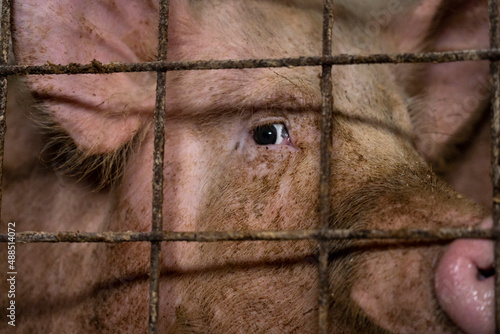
x,y
100,112
448,99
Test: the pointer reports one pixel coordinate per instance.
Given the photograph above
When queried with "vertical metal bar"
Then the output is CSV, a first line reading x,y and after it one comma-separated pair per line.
x,y
4,58
325,151
495,150
159,145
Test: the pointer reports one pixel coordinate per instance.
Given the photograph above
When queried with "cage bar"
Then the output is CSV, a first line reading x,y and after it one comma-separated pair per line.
x,y
4,58
96,67
158,157
325,151
410,235
495,150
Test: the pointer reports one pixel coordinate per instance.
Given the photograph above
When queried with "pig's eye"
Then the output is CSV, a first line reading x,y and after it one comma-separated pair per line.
x,y
270,134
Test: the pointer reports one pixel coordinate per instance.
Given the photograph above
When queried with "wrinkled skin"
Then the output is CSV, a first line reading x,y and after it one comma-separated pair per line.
x,y
386,145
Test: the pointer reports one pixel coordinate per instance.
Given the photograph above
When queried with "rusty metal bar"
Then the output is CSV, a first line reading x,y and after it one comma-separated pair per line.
x,y
96,67
495,150
325,152
158,157
4,58
442,234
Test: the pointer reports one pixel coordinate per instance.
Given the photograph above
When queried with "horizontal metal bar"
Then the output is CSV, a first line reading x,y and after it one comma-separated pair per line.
x,y
96,67
212,236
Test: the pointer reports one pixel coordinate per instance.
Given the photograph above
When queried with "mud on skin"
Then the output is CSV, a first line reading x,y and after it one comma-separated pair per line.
x,y
241,153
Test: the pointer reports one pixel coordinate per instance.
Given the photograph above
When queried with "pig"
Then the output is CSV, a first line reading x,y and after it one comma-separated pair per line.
x,y
242,153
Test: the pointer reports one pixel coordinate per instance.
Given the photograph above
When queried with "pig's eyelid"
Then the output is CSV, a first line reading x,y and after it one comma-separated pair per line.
x,y
259,119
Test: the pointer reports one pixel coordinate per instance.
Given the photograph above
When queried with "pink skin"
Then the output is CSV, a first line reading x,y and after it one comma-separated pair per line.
x,y
462,290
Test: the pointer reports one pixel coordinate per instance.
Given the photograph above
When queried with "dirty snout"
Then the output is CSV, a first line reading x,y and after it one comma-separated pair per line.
x,y
464,283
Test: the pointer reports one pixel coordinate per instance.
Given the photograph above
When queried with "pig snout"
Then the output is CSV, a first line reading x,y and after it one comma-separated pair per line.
x,y
464,283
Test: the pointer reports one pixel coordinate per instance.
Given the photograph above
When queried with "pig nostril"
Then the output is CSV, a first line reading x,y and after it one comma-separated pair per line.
x,y
465,285
483,274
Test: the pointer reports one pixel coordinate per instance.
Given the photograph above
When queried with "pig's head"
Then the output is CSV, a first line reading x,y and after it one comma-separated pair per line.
x,y
242,153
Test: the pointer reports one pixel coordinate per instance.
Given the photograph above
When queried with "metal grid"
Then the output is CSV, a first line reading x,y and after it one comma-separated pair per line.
x,y
324,234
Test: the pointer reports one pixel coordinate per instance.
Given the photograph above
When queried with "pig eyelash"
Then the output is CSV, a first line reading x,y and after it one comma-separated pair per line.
x,y
271,134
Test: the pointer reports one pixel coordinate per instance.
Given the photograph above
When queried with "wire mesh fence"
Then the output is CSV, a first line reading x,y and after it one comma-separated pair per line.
x,y
323,235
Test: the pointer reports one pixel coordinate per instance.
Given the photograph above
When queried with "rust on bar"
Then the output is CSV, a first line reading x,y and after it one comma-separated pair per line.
x,y
4,58
410,235
5,32
158,157
96,67
495,149
325,151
